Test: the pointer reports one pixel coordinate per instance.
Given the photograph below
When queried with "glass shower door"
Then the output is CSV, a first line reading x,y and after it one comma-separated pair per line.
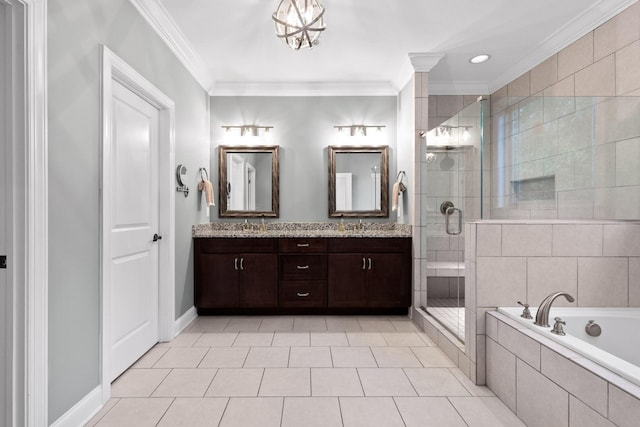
x,y
452,180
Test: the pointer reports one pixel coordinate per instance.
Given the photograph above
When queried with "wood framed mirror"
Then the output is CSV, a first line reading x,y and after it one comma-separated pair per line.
x,y
359,181
248,181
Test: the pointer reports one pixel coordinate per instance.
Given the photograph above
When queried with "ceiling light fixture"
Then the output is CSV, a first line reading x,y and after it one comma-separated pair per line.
x,y
479,59
299,22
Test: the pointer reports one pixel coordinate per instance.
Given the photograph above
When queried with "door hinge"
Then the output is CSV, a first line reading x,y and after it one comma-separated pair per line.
x,y
3,261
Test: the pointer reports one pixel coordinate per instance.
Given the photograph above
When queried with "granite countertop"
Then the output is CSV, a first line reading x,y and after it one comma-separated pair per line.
x,y
299,229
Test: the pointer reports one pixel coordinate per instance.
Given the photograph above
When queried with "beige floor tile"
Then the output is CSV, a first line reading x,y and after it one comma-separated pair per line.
x,y
278,323
309,323
225,357
395,357
311,412
405,325
150,357
290,339
194,412
365,339
216,339
428,412
102,412
329,339
253,412
208,324
435,382
343,324
335,382
184,339
286,382
370,411
243,382
485,412
135,412
432,357
237,324
385,382
248,339
185,383
267,357
474,390
403,339
424,337
310,357
377,325
352,357
181,357
138,382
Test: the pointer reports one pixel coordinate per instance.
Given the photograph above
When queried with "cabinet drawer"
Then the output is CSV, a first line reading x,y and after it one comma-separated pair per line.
x,y
303,267
303,294
369,244
303,245
232,245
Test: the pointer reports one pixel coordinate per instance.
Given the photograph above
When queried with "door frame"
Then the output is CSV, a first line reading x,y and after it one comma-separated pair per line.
x,y
27,169
114,68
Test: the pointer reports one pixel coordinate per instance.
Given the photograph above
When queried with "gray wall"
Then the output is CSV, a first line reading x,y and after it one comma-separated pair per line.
x,y
405,153
303,127
76,28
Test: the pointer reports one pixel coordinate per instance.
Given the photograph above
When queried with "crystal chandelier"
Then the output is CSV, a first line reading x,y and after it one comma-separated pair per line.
x,y
299,22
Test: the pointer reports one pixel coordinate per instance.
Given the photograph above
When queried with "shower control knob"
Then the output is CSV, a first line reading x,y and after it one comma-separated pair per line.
x,y
557,328
526,314
156,237
592,329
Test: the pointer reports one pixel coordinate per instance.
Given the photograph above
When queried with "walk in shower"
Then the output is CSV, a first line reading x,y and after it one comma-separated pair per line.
x,y
452,178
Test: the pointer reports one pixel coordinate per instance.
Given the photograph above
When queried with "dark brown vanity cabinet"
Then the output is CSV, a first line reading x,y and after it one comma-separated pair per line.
x,y
372,272
232,273
315,275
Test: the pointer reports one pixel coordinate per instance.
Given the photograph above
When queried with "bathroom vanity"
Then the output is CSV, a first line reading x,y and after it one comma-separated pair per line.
x,y
314,271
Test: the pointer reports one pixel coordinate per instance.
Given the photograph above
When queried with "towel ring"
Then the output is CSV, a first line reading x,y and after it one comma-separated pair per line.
x,y
205,172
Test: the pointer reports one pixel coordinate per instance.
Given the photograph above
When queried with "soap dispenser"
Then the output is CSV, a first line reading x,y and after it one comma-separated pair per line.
x,y
263,226
341,226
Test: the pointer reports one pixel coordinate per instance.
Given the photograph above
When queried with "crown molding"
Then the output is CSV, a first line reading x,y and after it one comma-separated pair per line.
x,y
423,62
304,89
586,22
162,23
459,88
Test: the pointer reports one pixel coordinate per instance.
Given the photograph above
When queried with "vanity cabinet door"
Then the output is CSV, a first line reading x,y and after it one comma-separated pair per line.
x,y
216,281
347,280
258,285
387,280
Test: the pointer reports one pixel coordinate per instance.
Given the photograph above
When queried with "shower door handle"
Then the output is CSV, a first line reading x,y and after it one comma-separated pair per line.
x,y
450,211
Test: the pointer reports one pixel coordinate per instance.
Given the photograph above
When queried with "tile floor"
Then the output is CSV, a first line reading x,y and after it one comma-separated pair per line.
x,y
300,371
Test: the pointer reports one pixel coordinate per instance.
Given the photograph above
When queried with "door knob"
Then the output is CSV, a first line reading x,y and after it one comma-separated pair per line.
x,y
156,237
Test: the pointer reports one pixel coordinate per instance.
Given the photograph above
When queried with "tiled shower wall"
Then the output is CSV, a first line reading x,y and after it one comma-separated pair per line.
x,y
597,262
546,124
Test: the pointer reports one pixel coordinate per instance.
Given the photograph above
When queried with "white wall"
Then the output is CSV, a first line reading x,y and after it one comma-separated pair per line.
x,y
303,128
76,28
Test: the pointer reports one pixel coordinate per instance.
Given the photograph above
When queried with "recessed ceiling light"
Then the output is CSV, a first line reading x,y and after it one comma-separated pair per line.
x,y
479,59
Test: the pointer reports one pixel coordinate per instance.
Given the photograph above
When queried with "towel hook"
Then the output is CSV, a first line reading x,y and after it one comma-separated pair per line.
x,y
205,172
401,176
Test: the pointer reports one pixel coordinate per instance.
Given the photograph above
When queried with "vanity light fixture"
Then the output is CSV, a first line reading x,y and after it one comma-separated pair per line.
x,y
248,129
479,59
359,129
299,22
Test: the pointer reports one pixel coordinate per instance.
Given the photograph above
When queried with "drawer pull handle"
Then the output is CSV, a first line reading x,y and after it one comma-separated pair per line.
x,y
301,295
364,264
303,245
302,267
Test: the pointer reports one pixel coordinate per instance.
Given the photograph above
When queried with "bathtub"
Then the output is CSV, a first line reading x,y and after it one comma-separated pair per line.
x,y
617,348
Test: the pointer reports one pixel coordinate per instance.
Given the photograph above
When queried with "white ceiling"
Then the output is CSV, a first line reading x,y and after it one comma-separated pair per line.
x,y
232,47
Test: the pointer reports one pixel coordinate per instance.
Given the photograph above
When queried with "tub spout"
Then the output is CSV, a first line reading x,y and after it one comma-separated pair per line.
x,y
542,316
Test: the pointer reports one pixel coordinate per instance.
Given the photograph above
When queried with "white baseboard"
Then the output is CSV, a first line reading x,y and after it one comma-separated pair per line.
x,y
185,320
82,411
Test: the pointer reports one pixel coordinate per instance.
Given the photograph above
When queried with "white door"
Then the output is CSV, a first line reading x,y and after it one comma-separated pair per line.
x,y
344,201
5,303
134,221
251,187
237,187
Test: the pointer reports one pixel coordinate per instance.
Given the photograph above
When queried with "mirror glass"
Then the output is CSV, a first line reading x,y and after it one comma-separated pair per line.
x,y
248,181
358,181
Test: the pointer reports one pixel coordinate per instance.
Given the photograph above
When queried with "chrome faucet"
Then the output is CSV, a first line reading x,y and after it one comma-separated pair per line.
x,y
542,316
359,225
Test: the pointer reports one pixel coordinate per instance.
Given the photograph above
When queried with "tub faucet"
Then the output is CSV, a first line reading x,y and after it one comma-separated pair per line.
x,y
542,316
